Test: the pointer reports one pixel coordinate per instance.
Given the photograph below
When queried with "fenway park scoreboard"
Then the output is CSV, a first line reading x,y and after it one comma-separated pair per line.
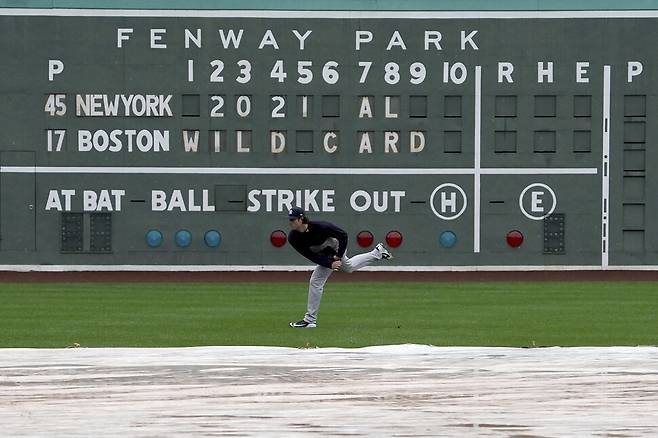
x,y
158,139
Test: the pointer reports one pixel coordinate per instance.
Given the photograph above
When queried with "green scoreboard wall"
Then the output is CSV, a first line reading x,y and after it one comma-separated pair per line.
x,y
178,139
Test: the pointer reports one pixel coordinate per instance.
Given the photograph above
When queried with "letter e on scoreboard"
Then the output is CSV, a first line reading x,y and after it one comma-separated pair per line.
x,y
537,201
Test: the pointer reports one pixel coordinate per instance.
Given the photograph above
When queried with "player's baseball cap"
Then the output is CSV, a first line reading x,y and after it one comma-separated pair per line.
x,y
295,213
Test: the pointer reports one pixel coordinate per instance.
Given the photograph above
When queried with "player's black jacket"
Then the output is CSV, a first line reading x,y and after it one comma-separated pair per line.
x,y
320,242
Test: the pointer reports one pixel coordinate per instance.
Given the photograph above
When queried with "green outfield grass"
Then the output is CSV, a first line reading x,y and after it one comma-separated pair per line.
x,y
352,314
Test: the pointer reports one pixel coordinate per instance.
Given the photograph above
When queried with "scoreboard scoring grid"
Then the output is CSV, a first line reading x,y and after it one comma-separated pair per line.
x,y
476,170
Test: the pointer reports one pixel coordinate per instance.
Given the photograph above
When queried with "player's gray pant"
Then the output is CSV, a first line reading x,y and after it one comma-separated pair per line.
x,y
321,275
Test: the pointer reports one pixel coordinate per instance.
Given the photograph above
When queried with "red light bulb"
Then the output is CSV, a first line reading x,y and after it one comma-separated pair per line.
x,y
514,238
394,239
364,239
278,238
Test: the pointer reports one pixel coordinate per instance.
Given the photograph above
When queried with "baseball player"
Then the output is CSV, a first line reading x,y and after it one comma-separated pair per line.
x,y
325,244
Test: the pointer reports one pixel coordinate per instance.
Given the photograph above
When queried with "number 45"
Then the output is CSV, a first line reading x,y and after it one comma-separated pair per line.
x,y
55,104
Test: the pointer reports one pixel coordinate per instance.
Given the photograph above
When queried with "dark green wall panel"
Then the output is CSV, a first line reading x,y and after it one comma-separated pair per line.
x,y
425,123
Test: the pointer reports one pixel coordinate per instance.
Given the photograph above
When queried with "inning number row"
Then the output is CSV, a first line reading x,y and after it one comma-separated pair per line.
x,y
392,73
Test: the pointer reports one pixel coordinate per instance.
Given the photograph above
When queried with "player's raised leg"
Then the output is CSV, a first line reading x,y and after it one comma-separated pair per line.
x,y
351,264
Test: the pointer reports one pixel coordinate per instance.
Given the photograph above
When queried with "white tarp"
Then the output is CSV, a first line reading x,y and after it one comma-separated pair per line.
x,y
405,390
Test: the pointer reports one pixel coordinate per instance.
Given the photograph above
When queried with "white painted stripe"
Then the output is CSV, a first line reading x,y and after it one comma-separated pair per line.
x,y
240,170
477,159
269,14
539,171
308,268
299,170
605,171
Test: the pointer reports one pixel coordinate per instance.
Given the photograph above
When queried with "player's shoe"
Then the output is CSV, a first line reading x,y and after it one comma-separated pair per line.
x,y
383,252
302,324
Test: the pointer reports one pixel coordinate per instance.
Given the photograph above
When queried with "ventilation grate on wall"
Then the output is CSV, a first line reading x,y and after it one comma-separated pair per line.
x,y
554,234
72,232
100,232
